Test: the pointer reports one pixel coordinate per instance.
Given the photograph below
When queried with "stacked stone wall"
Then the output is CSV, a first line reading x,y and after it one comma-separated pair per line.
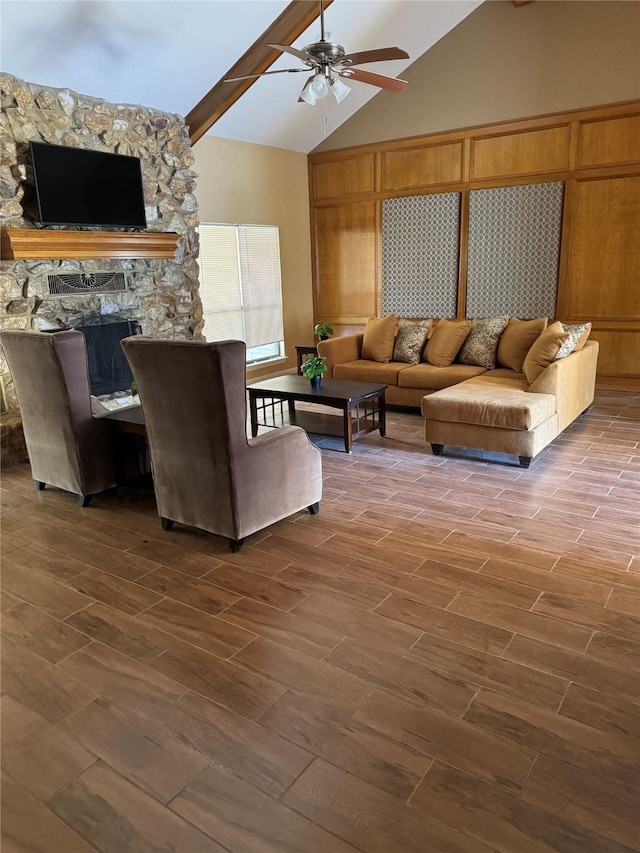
x,y
161,294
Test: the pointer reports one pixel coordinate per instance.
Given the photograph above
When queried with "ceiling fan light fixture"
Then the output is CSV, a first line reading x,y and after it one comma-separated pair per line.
x,y
308,95
339,90
319,86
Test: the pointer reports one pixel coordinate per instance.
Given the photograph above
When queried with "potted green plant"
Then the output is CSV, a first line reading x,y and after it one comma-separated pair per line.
x,y
323,330
313,367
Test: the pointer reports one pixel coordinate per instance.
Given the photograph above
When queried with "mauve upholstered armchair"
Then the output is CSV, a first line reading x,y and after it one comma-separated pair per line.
x,y
67,448
206,473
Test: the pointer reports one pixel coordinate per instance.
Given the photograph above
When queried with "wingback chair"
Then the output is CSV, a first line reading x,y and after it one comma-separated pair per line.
x,y
67,448
206,472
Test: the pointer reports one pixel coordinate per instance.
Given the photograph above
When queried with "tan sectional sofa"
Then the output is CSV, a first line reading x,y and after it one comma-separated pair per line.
x,y
469,406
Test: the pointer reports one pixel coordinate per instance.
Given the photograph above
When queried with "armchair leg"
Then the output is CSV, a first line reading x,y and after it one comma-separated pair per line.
x,y
235,545
525,461
437,449
39,485
314,509
167,523
84,500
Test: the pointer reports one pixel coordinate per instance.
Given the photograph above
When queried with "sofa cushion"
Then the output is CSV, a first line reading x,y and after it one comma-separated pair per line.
x,y
379,335
486,405
517,339
410,340
434,378
544,351
445,342
481,345
369,371
577,339
502,378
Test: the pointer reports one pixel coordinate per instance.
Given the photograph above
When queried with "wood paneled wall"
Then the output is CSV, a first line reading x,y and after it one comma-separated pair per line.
x,y
595,151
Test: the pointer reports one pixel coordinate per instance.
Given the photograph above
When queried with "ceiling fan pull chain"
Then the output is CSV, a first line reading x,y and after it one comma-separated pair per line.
x,y
326,118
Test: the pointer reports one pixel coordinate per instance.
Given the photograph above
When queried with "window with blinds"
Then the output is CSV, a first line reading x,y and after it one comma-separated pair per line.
x,y
240,287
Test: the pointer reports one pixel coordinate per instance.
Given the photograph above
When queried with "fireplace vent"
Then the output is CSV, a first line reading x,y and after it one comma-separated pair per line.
x,y
97,282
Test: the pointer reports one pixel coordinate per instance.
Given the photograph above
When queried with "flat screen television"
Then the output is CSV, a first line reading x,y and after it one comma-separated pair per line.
x,y
75,186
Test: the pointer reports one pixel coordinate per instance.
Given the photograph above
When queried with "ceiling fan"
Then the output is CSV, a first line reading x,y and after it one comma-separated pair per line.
x,y
329,62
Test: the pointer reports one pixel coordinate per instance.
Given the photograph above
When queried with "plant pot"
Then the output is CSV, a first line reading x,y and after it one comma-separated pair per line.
x,y
324,337
315,382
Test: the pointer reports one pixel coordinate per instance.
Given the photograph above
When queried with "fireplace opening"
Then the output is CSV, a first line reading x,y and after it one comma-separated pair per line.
x,y
109,369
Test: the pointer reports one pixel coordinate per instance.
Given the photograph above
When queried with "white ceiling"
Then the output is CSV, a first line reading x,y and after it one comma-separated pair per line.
x,y
167,54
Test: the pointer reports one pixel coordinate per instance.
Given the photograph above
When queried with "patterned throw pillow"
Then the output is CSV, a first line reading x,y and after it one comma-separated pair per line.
x,y
577,339
481,345
410,340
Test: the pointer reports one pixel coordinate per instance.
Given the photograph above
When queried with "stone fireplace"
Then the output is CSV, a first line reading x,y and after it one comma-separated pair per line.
x,y
59,293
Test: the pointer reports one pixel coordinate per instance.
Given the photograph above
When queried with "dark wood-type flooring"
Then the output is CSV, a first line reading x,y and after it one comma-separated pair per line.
x,y
443,661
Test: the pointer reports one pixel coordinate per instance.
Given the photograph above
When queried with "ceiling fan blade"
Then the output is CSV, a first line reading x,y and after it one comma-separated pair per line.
x,y
264,73
286,48
393,84
378,55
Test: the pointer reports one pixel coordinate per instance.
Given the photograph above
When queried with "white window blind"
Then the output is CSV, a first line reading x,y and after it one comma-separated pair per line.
x,y
240,285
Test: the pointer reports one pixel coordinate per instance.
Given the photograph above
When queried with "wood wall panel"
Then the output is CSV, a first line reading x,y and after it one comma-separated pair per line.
x,y
604,250
610,141
344,177
533,151
424,166
593,150
619,353
347,262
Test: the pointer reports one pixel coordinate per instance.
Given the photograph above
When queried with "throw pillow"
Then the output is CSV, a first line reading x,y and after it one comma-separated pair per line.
x,y
577,339
379,334
481,346
445,342
544,351
410,340
517,339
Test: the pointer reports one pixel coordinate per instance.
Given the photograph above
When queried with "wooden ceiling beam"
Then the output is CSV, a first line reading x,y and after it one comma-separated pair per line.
x,y
286,28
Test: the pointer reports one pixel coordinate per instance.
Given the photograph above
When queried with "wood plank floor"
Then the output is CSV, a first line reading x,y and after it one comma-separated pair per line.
x,y
444,660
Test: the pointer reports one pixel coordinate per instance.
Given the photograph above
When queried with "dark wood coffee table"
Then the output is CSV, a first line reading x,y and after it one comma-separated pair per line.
x,y
362,405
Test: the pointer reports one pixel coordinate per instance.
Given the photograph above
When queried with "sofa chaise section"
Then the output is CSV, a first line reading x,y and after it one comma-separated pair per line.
x,y
507,415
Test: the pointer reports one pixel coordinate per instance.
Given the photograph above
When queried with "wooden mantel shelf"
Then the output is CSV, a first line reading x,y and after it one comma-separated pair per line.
x,y
40,245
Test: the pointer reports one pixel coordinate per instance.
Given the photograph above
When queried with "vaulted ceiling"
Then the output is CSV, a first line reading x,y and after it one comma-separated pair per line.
x,y
168,54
